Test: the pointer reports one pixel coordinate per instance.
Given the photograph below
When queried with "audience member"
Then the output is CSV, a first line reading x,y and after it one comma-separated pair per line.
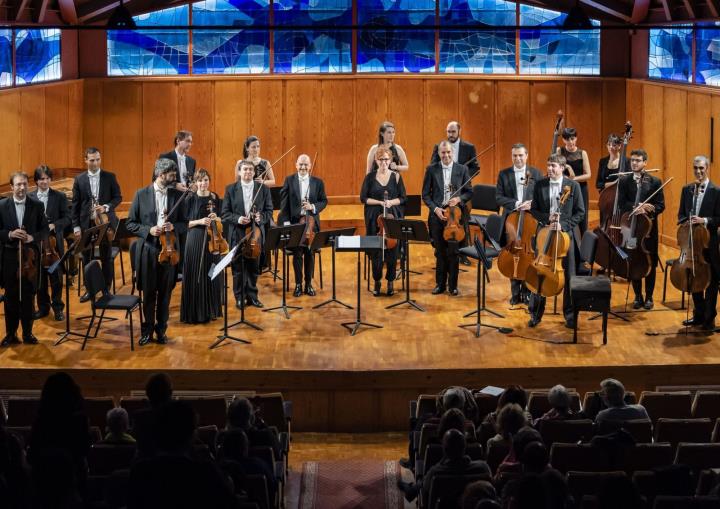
x,y
242,416
476,492
613,394
509,421
15,487
238,464
118,424
512,394
159,392
559,399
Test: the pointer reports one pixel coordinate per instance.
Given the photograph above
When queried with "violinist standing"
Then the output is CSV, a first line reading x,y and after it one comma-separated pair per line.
x,y
147,221
94,191
303,195
546,208
707,212
627,192
15,213
514,192
57,214
382,190
237,213
439,179
201,297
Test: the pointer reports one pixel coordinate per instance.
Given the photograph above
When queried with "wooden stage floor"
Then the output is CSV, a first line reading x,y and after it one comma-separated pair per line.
x,y
315,362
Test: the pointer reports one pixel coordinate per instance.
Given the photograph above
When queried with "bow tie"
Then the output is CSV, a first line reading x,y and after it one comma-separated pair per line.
x,y
303,180
556,184
19,202
42,195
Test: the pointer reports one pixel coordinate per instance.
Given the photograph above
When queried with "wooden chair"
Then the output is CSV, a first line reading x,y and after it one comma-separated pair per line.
x,y
671,405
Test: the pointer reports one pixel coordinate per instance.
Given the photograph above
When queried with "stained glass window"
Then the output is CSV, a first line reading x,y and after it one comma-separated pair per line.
x,y
145,52
477,51
400,36
670,54
313,50
707,54
556,51
241,51
37,55
6,57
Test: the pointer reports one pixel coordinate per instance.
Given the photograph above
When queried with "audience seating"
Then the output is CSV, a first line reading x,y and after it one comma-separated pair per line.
x,y
570,431
588,483
667,502
273,410
640,429
103,459
208,436
496,453
446,490
538,403
132,404
579,457
429,431
670,405
706,404
21,411
698,456
683,430
645,457
434,453
425,405
716,432
210,410
486,404
97,408
707,480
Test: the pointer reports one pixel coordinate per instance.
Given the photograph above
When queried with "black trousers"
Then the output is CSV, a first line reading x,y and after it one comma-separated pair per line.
x,y
536,306
54,283
17,311
157,287
518,289
652,246
105,257
705,303
303,262
248,279
446,255
390,262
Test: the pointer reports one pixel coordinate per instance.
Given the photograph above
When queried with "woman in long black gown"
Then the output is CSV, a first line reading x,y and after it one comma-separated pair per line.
x,y
200,296
577,167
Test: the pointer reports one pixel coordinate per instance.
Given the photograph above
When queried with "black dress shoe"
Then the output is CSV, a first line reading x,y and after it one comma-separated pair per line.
x,y
649,304
37,315
29,339
298,291
252,301
59,316
310,291
709,326
238,304
464,260
692,321
162,339
569,324
438,290
85,297
145,339
391,289
638,303
10,340
515,300
454,292
533,322
376,289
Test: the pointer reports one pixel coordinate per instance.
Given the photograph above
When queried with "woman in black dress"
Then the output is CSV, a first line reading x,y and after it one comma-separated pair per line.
x,y
251,152
386,139
577,167
382,189
201,297
608,165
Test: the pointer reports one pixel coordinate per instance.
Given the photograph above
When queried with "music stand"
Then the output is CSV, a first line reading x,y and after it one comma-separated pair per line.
x,y
486,277
283,238
327,238
276,198
222,266
406,230
359,244
623,256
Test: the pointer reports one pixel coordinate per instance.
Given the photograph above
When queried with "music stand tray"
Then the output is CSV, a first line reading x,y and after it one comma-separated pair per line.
x,y
407,230
282,238
323,239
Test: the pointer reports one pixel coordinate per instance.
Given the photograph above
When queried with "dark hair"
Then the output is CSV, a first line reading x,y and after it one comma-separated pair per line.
x,y
510,420
176,422
614,139
451,419
180,136
535,457
91,150
234,445
518,146
558,159
158,389
453,444
513,394
569,132
522,438
248,141
640,152
202,172
41,171
240,413
17,174
384,127
60,396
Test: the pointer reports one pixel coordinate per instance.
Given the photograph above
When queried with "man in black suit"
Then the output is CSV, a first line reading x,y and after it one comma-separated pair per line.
x,y
21,220
95,191
439,179
57,214
700,204
627,192
302,195
186,165
147,221
237,212
548,210
514,192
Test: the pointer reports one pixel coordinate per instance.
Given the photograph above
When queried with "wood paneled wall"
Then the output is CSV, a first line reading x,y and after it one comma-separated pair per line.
x,y
672,123
133,120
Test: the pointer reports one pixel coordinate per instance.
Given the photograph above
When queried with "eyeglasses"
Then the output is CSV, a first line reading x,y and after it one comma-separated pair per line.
x,y
698,167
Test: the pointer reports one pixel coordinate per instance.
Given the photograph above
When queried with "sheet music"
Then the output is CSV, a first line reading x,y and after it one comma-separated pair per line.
x,y
217,269
348,242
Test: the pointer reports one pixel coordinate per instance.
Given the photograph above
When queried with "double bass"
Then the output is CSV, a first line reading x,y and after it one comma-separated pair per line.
x,y
556,132
690,272
520,227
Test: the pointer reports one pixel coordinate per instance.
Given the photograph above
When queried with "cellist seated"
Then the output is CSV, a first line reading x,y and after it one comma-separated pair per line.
x,y
302,199
548,210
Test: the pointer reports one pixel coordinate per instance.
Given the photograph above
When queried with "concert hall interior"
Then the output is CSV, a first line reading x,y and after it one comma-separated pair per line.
x,y
389,120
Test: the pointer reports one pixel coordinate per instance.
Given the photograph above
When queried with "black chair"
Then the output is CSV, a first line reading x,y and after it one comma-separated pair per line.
x,y
590,293
95,284
483,198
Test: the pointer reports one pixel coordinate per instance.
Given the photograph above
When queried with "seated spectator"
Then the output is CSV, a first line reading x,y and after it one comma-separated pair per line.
x,y
159,391
509,421
512,394
118,424
523,458
172,478
548,490
613,394
15,489
235,460
559,399
241,416
452,419
476,492
619,493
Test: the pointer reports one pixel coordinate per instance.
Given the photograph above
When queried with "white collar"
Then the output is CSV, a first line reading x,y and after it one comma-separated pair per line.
x,y
179,155
446,167
95,175
456,142
43,193
20,202
556,182
249,184
520,170
704,185
158,189
303,179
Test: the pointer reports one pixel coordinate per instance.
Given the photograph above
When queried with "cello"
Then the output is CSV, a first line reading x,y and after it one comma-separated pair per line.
x,y
690,272
520,227
546,276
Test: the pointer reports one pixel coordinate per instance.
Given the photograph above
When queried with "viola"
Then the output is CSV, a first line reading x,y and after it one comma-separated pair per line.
x,y
49,251
103,217
453,231
309,233
253,240
517,254
546,276
27,264
216,242
389,243
691,272
168,252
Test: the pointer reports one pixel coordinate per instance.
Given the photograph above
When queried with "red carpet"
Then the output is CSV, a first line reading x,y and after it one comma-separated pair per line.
x,y
350,484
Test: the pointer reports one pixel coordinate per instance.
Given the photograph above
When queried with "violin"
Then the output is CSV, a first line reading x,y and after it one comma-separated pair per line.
x,y
691,272
454,230
253,240
103,217
216,242
49,251
389,242
27,264
517,254
546,276
168,241
308,219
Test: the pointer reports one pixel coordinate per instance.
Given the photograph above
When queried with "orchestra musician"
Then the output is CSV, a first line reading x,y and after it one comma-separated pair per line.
x,y
263,170
608,165
237,212
577,166
179,155
147,220
22,220
57,213
514,192
707,212
303,196
546,208
383,191
439,179
95,190
386,139
627,190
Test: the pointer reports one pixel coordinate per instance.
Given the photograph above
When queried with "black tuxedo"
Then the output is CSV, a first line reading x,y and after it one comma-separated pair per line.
x,y
627,190
36,225
156,280
705,302
290,210
572,213
466,156
433,194
57,213
189,166
81,213
233,207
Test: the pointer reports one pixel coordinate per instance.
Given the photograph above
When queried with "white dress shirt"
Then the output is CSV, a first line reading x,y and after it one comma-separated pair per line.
x,y
182,168
247,190
447,176
94,184
519,184
304,186
700,196
160,203
456,150
43,197
554,195
19,211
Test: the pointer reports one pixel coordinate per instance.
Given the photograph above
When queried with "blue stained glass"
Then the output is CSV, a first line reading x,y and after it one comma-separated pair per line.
x,y
556,51
242,51
5,57
707,55
312,51
37,55
384,49
146,52
477,12
670,54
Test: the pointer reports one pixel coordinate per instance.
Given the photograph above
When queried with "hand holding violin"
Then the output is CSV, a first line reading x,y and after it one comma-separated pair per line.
x,y
307,206
697,220
100,209
440,214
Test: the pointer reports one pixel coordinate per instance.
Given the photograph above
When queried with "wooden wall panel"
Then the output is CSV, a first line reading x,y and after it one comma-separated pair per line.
x,y
266,119
675,140
371,110
92,122
32,123
302,106
634,108
336,164
159,121
715,174
584,109
513,107
545,100
196,113
699,111
56,127
76,95
232,121
121,149
9,134
441,106
476,104
407,111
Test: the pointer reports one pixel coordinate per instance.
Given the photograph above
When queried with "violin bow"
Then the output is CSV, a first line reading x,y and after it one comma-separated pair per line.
x,y
486,149
263,175
460,188
637,208
312,167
